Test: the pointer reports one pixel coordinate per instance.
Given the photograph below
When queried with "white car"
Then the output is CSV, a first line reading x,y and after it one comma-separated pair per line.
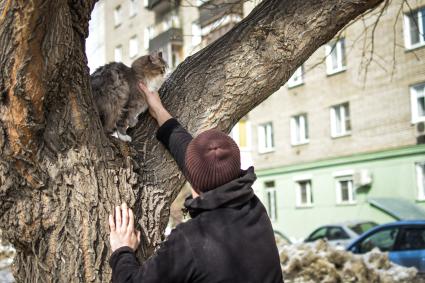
x,y
340,235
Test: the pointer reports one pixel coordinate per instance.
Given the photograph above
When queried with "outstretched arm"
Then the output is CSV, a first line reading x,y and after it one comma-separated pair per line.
x,y
171,133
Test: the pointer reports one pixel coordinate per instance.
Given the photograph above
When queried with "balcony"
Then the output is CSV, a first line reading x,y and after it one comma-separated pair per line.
x,y
215,10
167,31
162,6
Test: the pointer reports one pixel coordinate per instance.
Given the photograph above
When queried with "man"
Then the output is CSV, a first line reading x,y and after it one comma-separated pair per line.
x,y
229,238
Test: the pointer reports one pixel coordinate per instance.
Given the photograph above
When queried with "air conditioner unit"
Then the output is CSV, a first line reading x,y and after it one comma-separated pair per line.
x,y
362,178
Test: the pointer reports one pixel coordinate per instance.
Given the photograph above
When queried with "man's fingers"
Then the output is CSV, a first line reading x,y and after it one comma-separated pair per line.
x,y
124,211
118,217
111,223
143,87
130,228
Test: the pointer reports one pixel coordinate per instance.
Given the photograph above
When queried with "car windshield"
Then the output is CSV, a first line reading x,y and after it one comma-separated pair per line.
x,y
360,228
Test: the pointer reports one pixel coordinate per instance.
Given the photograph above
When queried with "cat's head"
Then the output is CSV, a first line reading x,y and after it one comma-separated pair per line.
x,y
151,69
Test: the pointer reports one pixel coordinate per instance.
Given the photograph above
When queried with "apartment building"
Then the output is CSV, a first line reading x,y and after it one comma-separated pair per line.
x,y
333,145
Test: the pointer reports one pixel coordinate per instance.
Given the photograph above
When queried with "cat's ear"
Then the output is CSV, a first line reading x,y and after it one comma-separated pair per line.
x,y
160,54
151,58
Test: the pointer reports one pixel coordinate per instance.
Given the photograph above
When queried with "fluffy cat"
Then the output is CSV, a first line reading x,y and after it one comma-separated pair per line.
x,y
117,97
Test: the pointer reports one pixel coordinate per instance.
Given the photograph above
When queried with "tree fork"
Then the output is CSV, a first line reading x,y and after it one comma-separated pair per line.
x,y
60,175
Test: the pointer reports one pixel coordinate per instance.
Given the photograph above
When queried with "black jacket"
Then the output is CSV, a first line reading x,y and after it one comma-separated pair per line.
x,y
229,238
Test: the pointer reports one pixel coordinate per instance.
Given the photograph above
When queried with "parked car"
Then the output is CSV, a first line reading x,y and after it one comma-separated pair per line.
x,y
340,235
403,240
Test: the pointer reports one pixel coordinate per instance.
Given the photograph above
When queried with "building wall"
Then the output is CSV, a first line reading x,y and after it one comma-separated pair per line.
x,y
379,106
95,43
393,172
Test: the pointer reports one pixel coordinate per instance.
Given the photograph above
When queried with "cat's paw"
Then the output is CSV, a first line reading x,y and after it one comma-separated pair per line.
x,y
122,137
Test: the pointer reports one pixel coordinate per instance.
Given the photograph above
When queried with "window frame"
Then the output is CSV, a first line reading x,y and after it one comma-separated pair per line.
x,y
420,176
343,118
309,193
340,54
351,190
420,25
414,95
271,200
298,129
263,135
120,49
297,77
118,16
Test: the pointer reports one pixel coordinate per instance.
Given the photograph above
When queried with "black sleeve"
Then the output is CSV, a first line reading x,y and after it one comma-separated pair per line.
x,y
173,262
176,139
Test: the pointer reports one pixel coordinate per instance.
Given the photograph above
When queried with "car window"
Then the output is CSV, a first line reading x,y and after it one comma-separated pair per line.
x,y
412,239
383,239
360,228
337,233
318,234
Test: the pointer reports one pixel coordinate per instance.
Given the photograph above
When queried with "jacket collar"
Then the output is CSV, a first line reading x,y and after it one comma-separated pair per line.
x,y
232,194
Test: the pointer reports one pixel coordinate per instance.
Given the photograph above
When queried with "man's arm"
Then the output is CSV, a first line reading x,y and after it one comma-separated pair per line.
x,y
170,133
173,261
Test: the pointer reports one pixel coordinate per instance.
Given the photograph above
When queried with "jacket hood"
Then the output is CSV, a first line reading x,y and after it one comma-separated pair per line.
x,y
232,194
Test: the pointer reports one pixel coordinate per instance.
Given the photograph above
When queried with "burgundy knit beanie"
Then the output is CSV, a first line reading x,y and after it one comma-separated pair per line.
x,y
212,159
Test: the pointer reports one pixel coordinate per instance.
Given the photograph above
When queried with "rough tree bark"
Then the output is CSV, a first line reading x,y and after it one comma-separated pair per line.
x,y
60,175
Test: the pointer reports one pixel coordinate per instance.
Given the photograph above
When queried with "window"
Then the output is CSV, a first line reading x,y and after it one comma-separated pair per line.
x,y
383,240
133,47
420,177
297,78
241,134
336,233
118,53
417,99
304,193
414,29
146,3
317,234
265,138
271,199
117,15
134,7
299,129
412,239
340,120
344,190
196,34
335,57
147,36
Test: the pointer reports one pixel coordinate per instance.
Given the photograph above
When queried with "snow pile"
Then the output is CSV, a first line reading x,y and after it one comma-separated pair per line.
x,y
7,252
320,262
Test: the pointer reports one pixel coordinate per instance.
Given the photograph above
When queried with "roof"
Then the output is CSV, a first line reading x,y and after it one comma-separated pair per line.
x,y
399,208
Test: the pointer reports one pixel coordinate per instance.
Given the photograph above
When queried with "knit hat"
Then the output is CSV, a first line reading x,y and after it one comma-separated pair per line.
x,y
212,159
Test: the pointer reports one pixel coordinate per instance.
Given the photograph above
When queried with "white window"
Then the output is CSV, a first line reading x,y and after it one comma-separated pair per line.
x,y
340,120
414,29
118,15
265,137
118,53
270,191
297,77
345,193
133,47
134,7
196,34
147,36
241,134
299,129
417,100
335,56
304,193
420,176
146,3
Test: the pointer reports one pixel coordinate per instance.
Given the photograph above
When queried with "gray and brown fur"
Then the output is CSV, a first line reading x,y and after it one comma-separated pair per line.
x,y
117,97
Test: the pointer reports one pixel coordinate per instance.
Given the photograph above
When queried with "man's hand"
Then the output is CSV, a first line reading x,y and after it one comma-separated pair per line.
x,y
156,109
123,233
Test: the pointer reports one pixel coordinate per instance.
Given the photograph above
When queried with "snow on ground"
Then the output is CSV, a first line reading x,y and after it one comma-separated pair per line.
x,y
7,253
320,262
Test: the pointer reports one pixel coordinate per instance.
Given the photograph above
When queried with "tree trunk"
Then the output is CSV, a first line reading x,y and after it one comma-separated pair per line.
x,y
60,176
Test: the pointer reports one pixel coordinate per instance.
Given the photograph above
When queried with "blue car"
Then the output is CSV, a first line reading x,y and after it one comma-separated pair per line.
x,y
403,240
